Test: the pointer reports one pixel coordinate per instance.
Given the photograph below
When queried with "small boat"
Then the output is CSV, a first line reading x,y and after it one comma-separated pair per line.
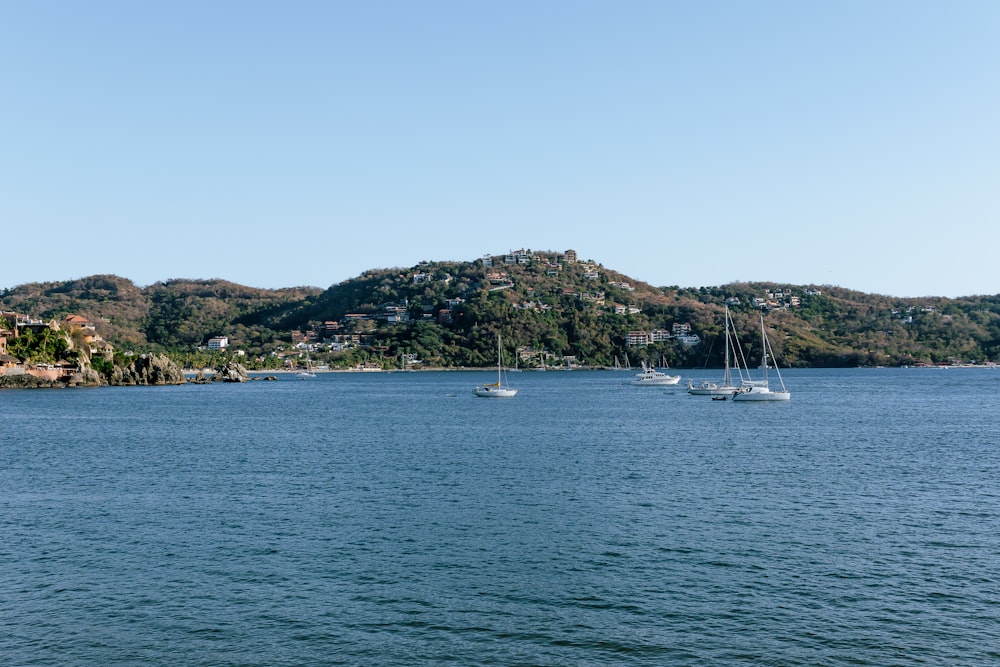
x,y
760,390
500,388
650,377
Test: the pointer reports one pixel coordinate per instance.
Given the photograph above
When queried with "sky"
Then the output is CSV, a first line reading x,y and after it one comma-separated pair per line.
x,y
276,144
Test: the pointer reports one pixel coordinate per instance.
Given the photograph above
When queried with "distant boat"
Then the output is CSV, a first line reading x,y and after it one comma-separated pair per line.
x,y
500,388
726,387
367,367
308,372
404,363
760,390
650,377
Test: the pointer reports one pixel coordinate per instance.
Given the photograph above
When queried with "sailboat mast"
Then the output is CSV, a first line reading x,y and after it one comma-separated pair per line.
x,y
763,345
726,375
767,347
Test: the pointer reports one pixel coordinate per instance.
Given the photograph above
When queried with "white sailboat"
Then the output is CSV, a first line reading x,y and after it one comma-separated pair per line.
x,y
760,390
500,388
726,387
308,372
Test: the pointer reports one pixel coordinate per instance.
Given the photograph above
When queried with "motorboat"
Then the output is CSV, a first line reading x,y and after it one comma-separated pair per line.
x,y
650,377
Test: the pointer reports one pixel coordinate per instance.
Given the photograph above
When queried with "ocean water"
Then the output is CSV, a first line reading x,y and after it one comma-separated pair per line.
x,y
395,519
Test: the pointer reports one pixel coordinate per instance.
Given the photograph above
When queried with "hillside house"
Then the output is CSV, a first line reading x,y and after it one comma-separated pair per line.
x,y
641,338
78,322
92,339
396,315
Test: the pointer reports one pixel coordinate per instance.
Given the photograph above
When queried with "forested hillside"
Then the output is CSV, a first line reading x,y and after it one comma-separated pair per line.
x,y
175,315
550,311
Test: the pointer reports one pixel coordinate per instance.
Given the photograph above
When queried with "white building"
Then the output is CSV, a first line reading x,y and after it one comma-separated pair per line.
x,y
218,343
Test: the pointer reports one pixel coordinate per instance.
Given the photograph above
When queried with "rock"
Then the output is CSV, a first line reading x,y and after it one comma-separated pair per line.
x,y
25,381
88,377
148,369
232,372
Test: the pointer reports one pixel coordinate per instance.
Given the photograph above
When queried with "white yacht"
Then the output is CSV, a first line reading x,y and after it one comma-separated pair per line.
x,y
652,377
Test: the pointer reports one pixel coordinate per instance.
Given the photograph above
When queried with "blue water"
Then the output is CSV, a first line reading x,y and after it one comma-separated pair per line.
x,y
395,519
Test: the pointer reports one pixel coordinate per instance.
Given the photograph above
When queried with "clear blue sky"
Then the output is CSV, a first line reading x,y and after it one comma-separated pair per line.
x,y
275,144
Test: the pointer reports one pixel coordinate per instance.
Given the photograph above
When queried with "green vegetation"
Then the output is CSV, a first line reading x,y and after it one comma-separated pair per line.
x,y
447,314
47,346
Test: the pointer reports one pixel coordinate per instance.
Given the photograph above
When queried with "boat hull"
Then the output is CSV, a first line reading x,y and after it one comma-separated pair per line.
x,y
494,392
761,394
709,389
659,382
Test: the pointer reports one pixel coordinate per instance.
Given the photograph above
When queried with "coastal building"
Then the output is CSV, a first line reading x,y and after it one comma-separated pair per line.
x,y
218,342
10,365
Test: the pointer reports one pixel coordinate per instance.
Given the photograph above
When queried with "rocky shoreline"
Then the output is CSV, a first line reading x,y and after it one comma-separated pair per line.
x,y
146,370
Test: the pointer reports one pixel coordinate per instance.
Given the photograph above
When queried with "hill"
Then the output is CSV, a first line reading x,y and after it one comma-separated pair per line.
x,y
551,308
175,315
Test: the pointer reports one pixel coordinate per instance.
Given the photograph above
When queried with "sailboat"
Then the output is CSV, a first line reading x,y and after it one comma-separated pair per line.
x,y
760,390
726,387
500,388
308,372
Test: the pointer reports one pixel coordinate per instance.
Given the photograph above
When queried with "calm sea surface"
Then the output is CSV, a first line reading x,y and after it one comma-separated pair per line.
x,y
394,519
